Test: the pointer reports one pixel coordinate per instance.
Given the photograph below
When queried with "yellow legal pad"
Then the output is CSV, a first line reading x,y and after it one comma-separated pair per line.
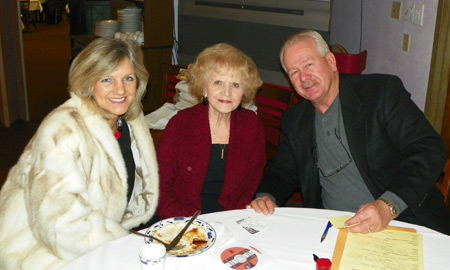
x,y
394,248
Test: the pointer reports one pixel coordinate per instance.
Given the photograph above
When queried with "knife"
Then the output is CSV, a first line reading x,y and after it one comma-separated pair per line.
x,y
324,234
180,234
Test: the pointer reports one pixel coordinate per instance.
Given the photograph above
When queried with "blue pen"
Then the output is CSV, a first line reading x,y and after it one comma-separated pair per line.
x,y
324,235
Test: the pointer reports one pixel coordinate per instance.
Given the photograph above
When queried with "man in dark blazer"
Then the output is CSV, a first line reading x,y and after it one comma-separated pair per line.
x,y
356,143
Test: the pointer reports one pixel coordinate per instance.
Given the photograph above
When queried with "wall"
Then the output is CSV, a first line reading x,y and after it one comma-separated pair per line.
x,y
257,27
374,30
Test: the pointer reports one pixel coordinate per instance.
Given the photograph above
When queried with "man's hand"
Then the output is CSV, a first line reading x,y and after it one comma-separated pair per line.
x,y
263,205
371,217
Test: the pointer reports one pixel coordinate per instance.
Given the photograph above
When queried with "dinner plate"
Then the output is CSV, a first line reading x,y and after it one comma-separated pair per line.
x,y
199,237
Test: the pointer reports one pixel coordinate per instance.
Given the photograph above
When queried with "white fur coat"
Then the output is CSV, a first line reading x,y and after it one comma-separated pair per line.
x,y
67,193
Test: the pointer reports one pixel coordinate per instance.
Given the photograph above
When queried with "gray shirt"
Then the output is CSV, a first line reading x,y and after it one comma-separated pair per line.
x,y
343,188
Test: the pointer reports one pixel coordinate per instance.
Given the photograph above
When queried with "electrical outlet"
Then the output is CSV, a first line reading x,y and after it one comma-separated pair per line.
x,y
406,40
417,16
396,10
407,12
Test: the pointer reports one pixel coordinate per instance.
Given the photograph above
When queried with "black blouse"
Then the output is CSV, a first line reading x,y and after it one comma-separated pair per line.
x,y
215,176
125,148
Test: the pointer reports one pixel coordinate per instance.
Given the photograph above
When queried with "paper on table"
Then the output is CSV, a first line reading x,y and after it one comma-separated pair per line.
x,y
339,222
252,225
394,248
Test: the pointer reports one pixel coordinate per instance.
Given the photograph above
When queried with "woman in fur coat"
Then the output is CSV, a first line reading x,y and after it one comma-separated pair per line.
x,y
89,174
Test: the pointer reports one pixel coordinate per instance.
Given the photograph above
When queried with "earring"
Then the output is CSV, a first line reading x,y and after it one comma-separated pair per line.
x,y
204,100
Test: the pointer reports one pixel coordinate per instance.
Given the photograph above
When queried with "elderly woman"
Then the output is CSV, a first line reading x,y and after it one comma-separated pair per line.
x,y
89,174
211,156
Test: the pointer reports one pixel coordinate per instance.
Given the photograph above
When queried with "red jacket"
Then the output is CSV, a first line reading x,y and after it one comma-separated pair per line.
x,y
184,154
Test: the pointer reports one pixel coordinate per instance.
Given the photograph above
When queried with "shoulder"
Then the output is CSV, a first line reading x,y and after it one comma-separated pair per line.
x,y
72,121
245,114
299,110
190,113
189,123
372,87
246,118
139,126
367,82
62,120
71,110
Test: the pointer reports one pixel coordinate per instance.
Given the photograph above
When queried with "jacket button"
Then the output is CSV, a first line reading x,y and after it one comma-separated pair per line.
x,y
189,168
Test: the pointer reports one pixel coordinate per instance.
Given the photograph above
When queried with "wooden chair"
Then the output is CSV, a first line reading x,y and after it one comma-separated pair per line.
x,y
169,81
444,183
55,9
169,78
28,16
272,101
60,8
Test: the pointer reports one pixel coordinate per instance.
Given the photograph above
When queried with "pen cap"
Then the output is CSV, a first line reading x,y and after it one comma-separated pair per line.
x,y
323,264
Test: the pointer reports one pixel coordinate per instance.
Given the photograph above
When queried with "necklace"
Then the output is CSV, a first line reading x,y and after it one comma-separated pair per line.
x,y
222,146
118,133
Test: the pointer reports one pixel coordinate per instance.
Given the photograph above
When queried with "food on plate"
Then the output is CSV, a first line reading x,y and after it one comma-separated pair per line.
x,y
195,238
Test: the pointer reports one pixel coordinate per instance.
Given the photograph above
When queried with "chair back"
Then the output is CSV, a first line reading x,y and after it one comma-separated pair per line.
x,y
272,101
60,8
24,6
351,63
61,4
444,183
169,73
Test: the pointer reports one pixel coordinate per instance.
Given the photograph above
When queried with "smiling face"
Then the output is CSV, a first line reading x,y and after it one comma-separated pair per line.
x,y
313,76
115,92
224,91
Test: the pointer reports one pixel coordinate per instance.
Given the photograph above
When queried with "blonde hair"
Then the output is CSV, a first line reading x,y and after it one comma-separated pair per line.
x,y
99,59
221,58
321,44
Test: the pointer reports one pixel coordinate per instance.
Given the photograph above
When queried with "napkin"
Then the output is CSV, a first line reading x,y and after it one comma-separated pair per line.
x,y
183,98
159,118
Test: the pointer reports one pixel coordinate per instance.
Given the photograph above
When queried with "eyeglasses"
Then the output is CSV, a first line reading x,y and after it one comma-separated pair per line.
x,y
340,167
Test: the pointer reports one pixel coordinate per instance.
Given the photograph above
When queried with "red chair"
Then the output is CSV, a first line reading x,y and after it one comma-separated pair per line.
x,y
170,73
272,101
169,78
349,63
444,183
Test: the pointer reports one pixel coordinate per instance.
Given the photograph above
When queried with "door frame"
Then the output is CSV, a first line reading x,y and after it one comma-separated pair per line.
x,y
436,110
440,66
13,95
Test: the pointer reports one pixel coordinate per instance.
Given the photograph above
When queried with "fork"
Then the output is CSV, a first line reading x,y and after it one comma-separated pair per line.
x,y
177,247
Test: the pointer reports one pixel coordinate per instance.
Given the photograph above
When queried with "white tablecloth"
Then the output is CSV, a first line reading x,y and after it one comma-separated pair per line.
x,y
36,5
290,238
